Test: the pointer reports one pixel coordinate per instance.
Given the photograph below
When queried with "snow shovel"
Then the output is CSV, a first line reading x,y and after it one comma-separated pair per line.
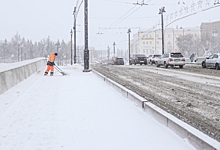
x,y
58,69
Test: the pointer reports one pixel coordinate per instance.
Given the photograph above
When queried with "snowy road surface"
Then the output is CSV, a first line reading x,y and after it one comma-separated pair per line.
x,y
77,112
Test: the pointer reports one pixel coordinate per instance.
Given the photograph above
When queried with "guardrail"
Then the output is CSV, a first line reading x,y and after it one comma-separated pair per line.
x,y
199,60
195,137
12,74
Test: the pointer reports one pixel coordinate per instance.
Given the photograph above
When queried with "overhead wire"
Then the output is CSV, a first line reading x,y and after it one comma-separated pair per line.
x,y
122,16
128,16
119,20
119,1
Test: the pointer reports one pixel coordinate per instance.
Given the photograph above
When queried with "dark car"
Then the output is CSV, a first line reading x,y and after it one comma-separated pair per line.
x,y
138,59
118,61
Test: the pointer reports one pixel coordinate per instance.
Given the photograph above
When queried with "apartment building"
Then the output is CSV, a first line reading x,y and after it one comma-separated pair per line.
x,y
150,41
211,29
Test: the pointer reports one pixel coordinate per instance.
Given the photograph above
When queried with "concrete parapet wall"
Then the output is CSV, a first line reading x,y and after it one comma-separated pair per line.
x,y
200,59
9,77
195,137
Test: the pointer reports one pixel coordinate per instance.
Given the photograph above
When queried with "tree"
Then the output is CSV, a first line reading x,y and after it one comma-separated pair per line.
x,y
210,44
189,44
20,48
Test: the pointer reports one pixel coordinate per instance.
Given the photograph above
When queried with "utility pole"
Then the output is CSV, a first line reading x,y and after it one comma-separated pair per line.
x,y
71,57
129,55
161,11
108,52
114,48
78,53
86,50
74,28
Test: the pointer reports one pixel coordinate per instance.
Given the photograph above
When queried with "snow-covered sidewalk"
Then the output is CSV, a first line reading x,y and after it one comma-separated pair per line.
x,y
77,112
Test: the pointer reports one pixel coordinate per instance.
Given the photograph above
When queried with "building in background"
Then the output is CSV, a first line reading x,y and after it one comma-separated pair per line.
x,y
150,41
210,37
211,29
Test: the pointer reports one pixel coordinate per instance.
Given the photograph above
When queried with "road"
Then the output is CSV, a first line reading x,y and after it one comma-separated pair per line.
x,y
191,94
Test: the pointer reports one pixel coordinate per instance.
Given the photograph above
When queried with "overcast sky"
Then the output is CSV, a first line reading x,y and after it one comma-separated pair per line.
x,y
109,20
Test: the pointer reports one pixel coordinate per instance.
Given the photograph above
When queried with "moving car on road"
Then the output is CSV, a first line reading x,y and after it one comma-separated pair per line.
x,y
152,58
171,59
138,59
118,61
213,61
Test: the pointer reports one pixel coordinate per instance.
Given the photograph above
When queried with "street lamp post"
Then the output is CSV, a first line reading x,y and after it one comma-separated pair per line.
x,y
71,57
161,11
108,52
114,48
74,28
129,55
86,50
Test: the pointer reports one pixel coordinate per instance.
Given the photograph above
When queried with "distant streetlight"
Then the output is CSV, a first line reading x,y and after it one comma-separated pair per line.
x,y
129,55
108,52
114,48
161,11
71,62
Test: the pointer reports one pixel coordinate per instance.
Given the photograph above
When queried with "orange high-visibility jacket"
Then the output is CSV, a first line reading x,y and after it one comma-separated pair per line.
x,y
52,57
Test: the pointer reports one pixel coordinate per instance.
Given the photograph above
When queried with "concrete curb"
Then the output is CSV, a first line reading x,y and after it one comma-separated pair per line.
x,y
195,137
13,76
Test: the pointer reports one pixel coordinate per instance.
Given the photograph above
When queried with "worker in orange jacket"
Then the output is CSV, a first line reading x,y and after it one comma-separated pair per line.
x,y
50,64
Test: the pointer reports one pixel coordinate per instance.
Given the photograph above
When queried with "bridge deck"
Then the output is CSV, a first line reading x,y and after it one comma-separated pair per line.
x,y
80,112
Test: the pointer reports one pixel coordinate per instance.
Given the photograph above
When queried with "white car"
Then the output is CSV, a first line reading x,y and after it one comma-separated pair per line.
x,y
171,59
213,61
152,58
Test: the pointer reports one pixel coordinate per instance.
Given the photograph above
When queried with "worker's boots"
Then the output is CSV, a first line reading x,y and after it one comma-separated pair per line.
x,y
51,73
45,73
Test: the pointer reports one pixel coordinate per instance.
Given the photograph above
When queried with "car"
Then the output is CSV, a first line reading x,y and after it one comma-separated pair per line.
x,y
151,58
118,61
213,61
138,59
171,59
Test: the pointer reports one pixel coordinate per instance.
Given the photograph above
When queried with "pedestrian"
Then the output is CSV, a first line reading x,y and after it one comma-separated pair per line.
x,y
196,57
50,64
191,57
